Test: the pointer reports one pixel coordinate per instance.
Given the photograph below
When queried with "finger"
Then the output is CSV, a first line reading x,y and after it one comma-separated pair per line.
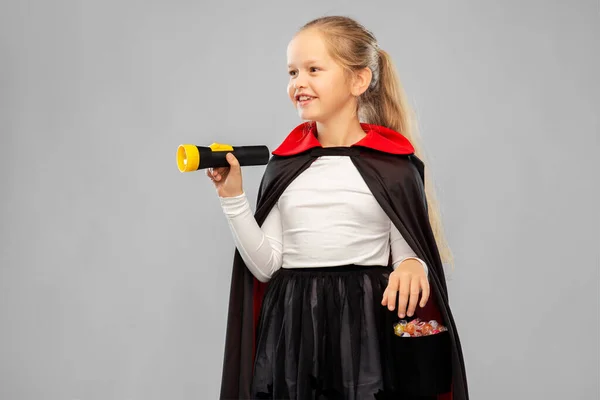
x,y
425,290
233,161
384,300
404,292
210,176
221,173
392,289
415,289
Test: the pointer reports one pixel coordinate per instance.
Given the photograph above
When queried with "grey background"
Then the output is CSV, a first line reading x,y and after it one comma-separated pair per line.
x,y
115,267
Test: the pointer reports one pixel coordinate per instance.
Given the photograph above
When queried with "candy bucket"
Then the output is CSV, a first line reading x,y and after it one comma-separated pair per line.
x,y
423,364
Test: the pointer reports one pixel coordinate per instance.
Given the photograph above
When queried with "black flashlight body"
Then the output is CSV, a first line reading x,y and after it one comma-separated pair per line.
x,y
192,158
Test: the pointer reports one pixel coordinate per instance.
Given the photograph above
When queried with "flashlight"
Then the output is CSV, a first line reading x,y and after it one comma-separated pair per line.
x,y
192,158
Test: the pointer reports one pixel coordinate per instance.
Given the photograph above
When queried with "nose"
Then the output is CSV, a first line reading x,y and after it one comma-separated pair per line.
x,y
300,81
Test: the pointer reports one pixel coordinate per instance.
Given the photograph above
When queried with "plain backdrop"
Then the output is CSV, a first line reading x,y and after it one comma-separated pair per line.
x,y
115,267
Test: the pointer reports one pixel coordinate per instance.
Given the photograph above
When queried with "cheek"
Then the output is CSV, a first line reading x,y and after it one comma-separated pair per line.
x,y
330,92
290,91
339,91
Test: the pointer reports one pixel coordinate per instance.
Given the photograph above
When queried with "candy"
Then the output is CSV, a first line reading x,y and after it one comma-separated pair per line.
x,y
426,329
398,330
399,327
417,328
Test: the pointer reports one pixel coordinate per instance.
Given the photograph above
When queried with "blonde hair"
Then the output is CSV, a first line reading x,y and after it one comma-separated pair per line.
x,y
384,103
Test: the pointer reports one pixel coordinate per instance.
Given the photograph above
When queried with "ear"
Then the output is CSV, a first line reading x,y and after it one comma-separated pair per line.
x,y
361,81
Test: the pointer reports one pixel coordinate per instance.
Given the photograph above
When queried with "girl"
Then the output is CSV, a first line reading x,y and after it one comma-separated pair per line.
x,y
344,241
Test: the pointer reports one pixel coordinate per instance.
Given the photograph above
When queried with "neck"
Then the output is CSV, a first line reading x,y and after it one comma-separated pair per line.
x,y
341,132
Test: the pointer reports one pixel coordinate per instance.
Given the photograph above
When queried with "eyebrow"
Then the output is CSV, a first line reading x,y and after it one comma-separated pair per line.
x,y
306,62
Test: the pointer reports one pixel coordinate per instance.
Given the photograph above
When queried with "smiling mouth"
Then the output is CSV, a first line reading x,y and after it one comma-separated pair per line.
x,y
304,100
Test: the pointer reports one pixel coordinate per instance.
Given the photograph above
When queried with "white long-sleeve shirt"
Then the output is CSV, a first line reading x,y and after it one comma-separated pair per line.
x,y
326,217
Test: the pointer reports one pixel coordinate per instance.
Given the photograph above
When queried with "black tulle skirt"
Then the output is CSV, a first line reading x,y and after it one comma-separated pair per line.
x,y
323,334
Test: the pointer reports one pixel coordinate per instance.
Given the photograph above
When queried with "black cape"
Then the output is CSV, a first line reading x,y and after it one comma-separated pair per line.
x,y
397,183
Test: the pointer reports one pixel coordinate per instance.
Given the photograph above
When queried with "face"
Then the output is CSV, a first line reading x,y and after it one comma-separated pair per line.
x,y
314,74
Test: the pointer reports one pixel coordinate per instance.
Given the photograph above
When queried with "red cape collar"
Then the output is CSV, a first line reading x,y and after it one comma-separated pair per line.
x,y
378,137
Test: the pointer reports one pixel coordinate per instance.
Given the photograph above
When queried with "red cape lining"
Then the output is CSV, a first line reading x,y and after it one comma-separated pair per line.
x,y
378,137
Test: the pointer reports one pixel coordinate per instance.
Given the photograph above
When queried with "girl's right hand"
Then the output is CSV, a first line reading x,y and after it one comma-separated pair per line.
x,y
227,180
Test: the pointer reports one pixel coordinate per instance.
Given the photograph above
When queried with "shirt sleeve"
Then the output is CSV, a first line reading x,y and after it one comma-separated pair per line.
x,y
401,250
260,247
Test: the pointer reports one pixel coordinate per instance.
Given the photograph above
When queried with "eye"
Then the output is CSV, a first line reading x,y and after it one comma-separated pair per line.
x,y
314,69
292,72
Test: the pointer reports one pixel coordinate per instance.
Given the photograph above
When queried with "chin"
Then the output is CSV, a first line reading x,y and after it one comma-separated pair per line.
x,y
309,116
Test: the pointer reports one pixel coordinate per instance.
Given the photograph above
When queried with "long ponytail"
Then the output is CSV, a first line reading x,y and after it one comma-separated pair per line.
x,y
387,105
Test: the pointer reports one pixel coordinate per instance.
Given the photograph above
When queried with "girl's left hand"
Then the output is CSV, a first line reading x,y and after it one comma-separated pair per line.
x,y
410,279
